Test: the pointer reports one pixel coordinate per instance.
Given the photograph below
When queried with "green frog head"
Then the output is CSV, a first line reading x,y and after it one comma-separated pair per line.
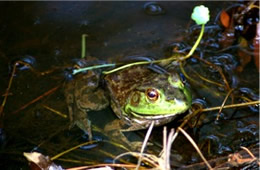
x,y
139,95
162,96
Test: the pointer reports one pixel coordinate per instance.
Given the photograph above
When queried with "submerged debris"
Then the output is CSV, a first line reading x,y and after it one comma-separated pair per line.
x,y
153,8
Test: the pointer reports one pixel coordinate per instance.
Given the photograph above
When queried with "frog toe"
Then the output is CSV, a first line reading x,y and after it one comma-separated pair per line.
x,y
85,125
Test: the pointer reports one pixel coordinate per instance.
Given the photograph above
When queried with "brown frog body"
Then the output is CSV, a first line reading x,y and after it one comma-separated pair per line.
x,y
137,96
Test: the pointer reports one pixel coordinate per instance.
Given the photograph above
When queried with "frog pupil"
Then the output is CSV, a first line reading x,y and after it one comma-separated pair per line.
x,y
152,94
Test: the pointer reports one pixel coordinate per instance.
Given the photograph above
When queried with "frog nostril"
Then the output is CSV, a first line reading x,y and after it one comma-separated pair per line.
x,y
135,99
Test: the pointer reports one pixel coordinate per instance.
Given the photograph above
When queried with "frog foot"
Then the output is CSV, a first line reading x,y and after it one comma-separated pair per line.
x,y
115,130
137,146
84,125
118,136
114,125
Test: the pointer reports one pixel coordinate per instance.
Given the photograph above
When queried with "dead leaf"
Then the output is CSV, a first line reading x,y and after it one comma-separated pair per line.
x,y
225,19
37,161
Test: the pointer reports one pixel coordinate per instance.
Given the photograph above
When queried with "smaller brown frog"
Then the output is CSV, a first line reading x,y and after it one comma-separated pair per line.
x,y
82,95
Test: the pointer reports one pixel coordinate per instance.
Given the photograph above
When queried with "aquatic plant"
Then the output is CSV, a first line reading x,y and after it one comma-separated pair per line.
x,y
200,15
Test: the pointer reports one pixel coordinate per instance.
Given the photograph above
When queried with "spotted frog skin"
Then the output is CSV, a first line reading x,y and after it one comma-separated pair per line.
x,y
137,95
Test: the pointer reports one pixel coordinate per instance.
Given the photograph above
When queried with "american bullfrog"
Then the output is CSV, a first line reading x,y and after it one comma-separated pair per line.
x,y
137,95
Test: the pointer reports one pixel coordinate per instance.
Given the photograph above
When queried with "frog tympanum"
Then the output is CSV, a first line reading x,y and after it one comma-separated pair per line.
x,y
137,95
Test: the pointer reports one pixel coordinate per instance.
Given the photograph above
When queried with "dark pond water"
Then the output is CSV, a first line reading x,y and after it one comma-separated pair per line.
x,y
50,33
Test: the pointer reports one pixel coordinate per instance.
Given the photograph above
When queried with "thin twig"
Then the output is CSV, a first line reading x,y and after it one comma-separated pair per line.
x,y
219,69
248,151
231,106
144,144
37,99
54,111
146,157
7,89
102,165
223,103
71,149
165,146
194,81
196,147
207,80
168,149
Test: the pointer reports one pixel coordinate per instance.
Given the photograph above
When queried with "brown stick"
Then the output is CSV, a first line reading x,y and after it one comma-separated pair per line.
x,y
37,99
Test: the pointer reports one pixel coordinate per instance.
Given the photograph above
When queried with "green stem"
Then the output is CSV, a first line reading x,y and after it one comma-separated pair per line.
x,y
92,67
158,61
135,63
125,66
83,45
196,43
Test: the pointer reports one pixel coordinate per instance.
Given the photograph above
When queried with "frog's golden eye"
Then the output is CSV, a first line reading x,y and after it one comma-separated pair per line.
x,y
152,94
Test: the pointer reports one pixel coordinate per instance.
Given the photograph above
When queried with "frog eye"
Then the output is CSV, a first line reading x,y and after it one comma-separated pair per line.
x,y
152,94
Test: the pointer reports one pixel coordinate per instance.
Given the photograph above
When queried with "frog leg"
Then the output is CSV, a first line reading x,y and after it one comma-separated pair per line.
x,y
69,97
82,95
95,100
83,122
116,128
116,135
77,115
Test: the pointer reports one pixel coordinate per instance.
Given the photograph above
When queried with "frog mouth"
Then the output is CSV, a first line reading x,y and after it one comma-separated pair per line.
x,y
144,121
151,117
